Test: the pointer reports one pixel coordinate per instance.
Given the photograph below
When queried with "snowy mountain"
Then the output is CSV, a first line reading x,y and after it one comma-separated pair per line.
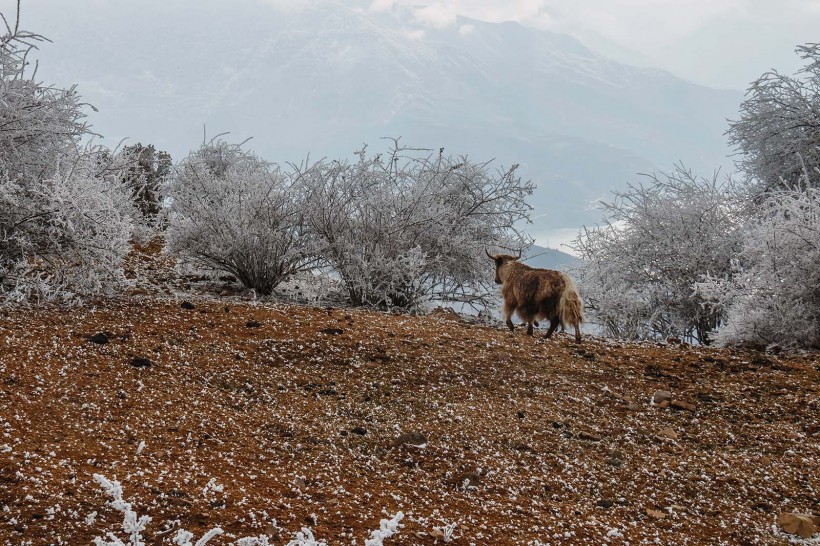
x,y
325,79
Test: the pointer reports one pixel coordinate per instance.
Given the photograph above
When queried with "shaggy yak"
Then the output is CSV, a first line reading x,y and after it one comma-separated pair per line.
x,y
538,294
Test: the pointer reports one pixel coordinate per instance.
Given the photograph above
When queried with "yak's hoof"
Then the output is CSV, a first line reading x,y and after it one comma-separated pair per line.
x,y
511,326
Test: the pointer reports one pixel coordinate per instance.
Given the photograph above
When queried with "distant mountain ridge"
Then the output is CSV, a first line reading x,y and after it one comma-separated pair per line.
x,y
326,79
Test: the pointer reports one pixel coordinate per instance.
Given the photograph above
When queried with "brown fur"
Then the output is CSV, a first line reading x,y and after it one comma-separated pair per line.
x,y
538,294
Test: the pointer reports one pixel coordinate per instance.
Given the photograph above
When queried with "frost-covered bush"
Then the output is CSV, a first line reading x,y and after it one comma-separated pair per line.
x,y
64,227
410,225
773,295
63,237
235,213
778,132
39,124
639,268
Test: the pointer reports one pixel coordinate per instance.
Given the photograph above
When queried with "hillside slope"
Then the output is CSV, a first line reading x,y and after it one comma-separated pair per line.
x,y
296,412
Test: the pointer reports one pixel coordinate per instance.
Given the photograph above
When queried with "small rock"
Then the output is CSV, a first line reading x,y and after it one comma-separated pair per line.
x,y
765,461
253,324
680,405
614,461
556,424
521,415
657,514
797,524
661,396
100,338
664,404
605,503
187,305
140,362
416,439
628,407
589,436
361,431
668,433
437,533
331,331
468,480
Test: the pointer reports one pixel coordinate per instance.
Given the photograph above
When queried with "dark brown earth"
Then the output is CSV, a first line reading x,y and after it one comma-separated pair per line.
x,y
296,413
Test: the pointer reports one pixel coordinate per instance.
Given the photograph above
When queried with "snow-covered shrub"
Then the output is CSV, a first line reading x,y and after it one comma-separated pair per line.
x,y
639,268
773,296
63,237
235,213
64,228
410,225
778,132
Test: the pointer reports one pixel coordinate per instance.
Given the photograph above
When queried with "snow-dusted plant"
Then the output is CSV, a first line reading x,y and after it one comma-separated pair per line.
x,y
232,212
639,269
773,295
778,133
64,227
132,524
39,124
410,225
65,236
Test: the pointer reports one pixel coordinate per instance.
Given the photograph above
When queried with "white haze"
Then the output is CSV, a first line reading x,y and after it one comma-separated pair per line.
x,y
321,78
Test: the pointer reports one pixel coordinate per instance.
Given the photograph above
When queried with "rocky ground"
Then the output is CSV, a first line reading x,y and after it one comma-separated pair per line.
x,y
263,418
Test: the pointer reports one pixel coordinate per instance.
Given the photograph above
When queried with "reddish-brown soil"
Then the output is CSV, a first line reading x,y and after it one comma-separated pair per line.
x,y
295,412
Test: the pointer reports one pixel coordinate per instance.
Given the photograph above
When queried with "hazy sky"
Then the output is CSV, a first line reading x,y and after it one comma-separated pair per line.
x,y
719,43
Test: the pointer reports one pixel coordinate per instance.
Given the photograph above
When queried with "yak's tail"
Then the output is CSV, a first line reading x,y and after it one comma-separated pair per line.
x,y
570,306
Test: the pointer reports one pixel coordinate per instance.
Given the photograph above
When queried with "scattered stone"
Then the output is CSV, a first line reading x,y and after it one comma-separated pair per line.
x,y
253,324
765,461
331,331
628,407
614,461
657,514
416,439
556,424
685,406
797,524
361,431
589,436
605,503
668,433
187,305
100,338
521,415
437,533
662,396
140,362
468,480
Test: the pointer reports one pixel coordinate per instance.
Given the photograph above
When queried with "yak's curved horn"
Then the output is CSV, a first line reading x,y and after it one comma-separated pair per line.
x,y
519,255
490,256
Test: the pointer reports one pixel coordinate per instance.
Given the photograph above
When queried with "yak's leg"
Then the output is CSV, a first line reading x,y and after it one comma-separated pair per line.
x,y
529,328
553,325
508,311
577,334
